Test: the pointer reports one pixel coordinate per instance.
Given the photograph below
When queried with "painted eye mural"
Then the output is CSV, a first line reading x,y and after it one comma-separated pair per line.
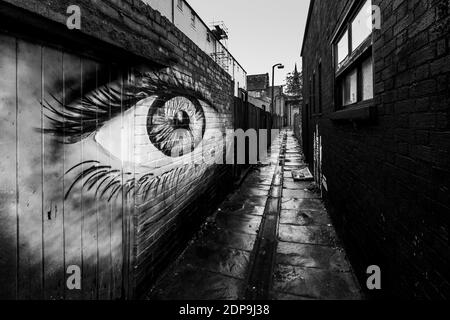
x,y
155,128
174,120
99,160
173,126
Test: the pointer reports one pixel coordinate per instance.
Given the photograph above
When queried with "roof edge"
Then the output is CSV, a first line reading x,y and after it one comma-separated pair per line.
x,y
308,20
209,30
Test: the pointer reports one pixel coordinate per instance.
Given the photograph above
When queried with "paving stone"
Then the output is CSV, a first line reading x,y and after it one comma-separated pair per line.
x,y
262,181
254,187
217,258
242,223
249,202
305,204
310,264
187,283
255,202
305,217
312,256
300,194
287,297
230,239
315,283
288,170
249,192
308,235
289,164
288,180
232,206
254,211
240,201
298,185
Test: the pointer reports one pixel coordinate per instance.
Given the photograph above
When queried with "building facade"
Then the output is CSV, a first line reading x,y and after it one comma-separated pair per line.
x,y
377,135
279,101
184,17
257,86
260,94
292,109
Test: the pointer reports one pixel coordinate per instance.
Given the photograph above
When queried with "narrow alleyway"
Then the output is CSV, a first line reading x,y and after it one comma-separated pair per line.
x,y
271,239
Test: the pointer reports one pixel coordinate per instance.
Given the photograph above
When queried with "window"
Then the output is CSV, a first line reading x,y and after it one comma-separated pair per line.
x,y
349,90
180,4
314,92
193,18
367,79
208,37
311,97
362,25
342,48
353,57
320,87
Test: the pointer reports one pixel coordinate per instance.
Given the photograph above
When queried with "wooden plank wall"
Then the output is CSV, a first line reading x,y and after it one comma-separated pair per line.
x,y
42,233
47,223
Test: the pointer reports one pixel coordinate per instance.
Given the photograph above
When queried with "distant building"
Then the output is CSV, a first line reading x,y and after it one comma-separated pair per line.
x,y
210,39
279,100
292,108
376,133
262,103
260,93
258,82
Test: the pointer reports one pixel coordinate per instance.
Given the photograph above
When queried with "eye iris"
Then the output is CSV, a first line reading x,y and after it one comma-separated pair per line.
x,y
176,125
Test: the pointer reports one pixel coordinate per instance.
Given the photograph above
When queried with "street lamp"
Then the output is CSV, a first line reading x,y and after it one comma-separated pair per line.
x,y
279,66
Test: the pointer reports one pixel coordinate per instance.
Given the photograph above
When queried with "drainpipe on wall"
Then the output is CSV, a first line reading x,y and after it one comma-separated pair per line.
x,y
173,12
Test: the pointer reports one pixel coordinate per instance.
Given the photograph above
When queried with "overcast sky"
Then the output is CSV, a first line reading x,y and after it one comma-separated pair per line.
x,y
262,32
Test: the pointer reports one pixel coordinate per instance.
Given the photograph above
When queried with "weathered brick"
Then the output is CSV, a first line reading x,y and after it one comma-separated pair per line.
x,y
424,88
409,136
439,66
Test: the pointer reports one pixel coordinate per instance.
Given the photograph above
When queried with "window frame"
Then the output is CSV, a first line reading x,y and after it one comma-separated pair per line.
x,y
180,4
319,71
193,19
354,59
311,97
314,97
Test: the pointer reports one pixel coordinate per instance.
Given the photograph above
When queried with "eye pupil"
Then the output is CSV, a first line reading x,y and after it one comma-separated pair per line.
x,y
181,120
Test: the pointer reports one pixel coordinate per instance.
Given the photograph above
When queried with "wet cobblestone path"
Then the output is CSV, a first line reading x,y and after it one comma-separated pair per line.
x,y
271,239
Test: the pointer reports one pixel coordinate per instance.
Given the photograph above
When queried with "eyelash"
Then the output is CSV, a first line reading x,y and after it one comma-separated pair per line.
x,y
97,174
74,122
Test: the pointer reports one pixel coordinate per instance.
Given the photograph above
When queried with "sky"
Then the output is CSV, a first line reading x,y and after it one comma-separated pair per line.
x,y
261,32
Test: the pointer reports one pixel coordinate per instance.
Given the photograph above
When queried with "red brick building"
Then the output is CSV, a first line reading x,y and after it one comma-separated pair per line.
x,y
377,135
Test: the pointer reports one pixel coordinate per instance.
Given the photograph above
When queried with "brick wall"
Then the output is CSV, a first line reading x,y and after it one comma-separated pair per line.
x,y
389,178
121,245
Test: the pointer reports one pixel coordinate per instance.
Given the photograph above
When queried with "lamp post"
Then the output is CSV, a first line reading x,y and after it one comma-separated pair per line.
x,y
279,66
